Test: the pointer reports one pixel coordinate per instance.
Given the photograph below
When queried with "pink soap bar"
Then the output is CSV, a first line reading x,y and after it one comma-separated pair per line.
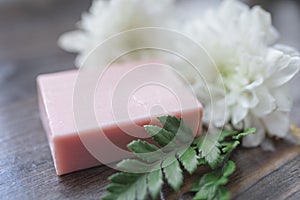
x,y
125,98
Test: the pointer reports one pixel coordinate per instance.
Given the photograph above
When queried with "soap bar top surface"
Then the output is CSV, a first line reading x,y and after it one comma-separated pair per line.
x,y
124,92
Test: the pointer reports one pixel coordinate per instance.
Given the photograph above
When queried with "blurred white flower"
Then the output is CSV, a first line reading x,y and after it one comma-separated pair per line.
x,y
249,87
107,18
254,71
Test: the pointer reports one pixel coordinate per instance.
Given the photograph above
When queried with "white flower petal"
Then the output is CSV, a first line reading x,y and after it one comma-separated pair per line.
x,y
266,104
287,50
277,124
283,98
238,113
268,145
231,9
255,139
275,61
98,7
73,41
263,24
286,74
248,99
258,81
216,113
80,59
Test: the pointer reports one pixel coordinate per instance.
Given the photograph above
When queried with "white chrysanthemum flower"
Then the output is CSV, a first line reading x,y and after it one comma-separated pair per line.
x,y
241,42
107,18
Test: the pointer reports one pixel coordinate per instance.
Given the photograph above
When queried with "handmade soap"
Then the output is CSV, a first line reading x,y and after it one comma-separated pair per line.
x,y
125,98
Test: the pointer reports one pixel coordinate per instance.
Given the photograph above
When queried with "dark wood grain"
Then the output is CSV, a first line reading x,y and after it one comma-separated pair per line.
x,y
28,47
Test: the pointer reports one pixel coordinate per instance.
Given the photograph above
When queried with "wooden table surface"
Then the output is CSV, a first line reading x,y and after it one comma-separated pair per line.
x,y
28,47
